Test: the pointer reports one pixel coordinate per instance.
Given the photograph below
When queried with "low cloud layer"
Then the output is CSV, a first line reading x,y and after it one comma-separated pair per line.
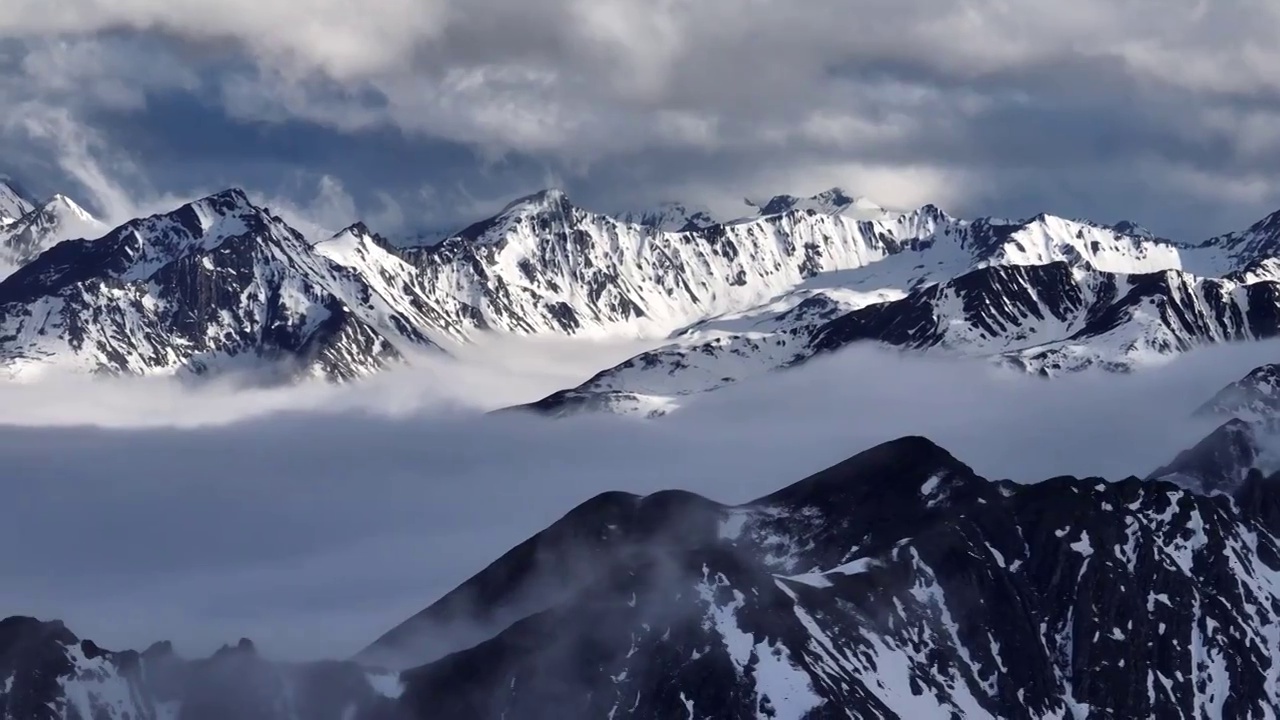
x,y
316,520
1159,112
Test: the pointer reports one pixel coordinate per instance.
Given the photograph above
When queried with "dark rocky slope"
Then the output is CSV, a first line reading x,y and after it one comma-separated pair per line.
x,y
897,584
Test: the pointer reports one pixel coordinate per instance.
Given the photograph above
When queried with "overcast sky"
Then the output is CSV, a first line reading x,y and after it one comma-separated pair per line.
x,y
313,519
428,113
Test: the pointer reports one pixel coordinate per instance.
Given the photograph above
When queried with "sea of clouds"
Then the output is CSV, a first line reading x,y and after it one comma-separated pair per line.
x,y
314,518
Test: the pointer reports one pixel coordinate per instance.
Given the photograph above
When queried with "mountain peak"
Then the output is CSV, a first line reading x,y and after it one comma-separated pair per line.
x,y
356,228
543,205
1128,227
835,194
670,216
931,210
58,219
1259,240
541,201
906,465
1221,461
13,202
1255,396
227,201
832,201
63,206
201,216
349,239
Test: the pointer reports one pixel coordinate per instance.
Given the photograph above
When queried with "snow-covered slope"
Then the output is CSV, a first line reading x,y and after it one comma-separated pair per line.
x,y
392,288
13,204
1046,294
1045,319
1253,250
544,265
22,240
1050,319
215,285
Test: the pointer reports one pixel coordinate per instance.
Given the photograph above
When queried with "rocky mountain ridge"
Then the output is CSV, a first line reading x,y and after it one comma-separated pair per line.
x,y
801,277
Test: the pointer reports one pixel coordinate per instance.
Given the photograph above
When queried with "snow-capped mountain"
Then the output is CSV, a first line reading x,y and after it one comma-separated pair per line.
x,y
896,584
834,201
1244,251
13,204
670,217
1256,396
1245,446
544,265
1046,319
1051,318
217,284
541,266
50,674
40,228
799,277
1226,459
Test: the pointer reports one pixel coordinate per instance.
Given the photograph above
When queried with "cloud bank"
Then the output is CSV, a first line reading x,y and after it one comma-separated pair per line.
x,y
312,521
1160,112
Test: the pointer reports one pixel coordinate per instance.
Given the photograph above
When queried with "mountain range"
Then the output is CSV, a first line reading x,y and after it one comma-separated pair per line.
x,y
221,285
895,584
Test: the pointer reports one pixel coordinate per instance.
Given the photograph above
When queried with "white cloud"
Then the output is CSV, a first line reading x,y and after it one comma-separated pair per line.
x,y
329,211
489,372
707,97
77,151
562,73
901,187
114,74
113,186
326,36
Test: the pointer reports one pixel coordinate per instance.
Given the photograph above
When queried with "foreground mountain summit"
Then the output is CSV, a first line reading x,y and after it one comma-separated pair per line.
x,y
896,584
222,285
